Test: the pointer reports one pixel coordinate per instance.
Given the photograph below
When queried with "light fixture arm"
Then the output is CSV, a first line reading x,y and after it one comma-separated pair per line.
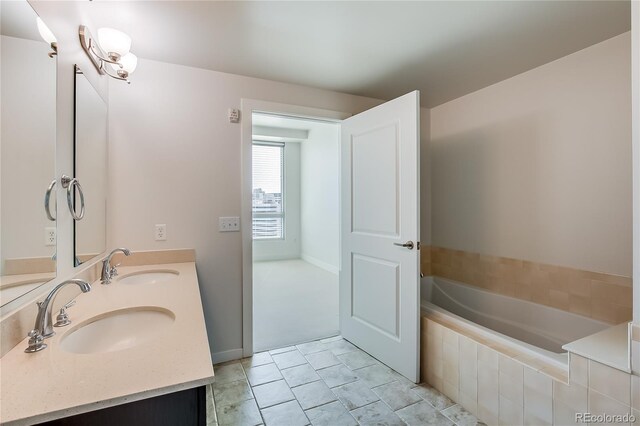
x,y
101,60
98,53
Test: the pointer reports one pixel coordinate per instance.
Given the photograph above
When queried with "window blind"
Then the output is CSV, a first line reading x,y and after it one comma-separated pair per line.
x,y
268,190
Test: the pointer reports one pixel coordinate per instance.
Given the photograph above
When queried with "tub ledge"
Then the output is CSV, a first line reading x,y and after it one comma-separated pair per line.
x,y
609,347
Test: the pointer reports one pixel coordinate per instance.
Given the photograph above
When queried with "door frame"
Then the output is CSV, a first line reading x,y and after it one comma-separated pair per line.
x,y
247,108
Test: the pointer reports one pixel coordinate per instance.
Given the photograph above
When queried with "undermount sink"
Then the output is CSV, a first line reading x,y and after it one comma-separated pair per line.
x,y
118,330
148,277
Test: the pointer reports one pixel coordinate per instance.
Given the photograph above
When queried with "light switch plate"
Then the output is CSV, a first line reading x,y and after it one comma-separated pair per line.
x,y
229,224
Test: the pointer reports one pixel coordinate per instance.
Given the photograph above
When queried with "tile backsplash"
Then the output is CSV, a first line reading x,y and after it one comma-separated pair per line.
x,y
604,297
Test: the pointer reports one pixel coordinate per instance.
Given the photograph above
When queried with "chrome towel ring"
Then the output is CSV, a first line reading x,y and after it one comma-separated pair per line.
x,y
70,184
47,198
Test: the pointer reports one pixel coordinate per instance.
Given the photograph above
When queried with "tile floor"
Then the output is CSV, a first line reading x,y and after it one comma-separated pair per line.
x,y
327,382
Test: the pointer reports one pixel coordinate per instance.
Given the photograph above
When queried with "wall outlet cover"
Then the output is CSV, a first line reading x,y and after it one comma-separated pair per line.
x,y
161,232
50,237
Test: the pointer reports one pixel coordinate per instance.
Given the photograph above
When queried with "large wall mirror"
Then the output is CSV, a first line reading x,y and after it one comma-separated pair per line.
x,y
27,153
90,169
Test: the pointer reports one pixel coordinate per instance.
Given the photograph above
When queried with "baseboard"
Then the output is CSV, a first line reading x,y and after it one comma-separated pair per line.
x,y
320,264
225,356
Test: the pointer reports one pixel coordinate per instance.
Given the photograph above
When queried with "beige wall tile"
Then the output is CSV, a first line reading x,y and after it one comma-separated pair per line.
x,y
538,400
635,356
510,413
488,390
487,358
487,416
468,357
578,370
511,379
635,392
574,397
609,381
563,415
451,390
601,404
538,382
470,403
601,296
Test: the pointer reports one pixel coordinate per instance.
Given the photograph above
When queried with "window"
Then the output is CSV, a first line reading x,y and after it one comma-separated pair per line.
x,y
268,191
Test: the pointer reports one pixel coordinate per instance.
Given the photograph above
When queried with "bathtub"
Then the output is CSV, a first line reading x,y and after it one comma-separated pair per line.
x,y
526,326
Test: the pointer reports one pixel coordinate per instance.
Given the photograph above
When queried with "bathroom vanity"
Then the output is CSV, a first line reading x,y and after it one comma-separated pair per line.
x,y
136,352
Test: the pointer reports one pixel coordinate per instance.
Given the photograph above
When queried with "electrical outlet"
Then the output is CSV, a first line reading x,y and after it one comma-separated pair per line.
x,y
229,224
50,236
161,232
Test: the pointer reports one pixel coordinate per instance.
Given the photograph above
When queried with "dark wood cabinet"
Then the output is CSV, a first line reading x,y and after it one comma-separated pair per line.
x,y
187,407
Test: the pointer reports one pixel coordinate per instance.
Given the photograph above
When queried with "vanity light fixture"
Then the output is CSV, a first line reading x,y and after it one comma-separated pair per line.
x,y
110,52
47,36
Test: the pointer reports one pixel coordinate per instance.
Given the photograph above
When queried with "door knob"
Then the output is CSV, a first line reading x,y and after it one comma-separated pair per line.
x,y
408,244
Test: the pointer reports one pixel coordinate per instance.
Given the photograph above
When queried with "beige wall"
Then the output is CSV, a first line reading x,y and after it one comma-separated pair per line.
x,y
176,159
538,167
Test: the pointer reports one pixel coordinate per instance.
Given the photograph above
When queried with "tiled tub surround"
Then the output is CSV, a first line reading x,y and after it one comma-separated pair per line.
x,y
325,383
504,387
526,326
67,383
604,297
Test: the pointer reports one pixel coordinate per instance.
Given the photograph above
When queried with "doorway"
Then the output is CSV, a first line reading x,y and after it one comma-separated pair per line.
x,y
378,221
295,229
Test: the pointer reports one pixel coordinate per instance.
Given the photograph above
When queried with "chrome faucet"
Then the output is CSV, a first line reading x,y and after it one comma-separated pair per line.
x,y
109,271
43,327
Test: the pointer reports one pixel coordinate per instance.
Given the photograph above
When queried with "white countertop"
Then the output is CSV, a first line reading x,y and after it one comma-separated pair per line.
x,y
52,383
609,347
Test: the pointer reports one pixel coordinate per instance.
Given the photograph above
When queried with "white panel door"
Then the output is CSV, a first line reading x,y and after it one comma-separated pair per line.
x,y
380,202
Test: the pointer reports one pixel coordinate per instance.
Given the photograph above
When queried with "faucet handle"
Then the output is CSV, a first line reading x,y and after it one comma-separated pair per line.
x,y
114,271
36,341
63,318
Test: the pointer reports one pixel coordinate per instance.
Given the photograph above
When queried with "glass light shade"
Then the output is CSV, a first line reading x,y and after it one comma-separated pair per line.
x,y
129,63
114,41
45,32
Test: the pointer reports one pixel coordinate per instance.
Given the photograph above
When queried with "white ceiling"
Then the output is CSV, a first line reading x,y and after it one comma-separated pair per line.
x,y
378,49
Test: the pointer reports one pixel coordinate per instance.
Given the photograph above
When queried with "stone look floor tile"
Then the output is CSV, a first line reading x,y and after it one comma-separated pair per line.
x,y
244,413
376,375
332,414
340,347
299,385
322,359
272,394
257,359
355,395
422,414
376,414
263,374
231,392
313,394
212,419
300,375
396,395
289,359
228,373
432,396
289,414
337,375
357,359
311,347
460,416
